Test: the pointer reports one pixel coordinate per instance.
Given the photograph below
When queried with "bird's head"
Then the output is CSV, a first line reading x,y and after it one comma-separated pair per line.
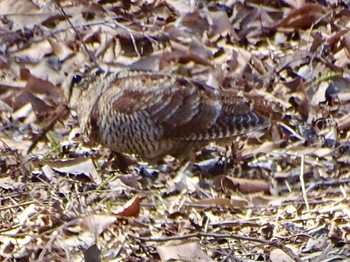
x,y
78,84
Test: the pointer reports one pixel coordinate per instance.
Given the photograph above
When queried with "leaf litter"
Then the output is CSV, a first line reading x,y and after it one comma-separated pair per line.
x,y
281,195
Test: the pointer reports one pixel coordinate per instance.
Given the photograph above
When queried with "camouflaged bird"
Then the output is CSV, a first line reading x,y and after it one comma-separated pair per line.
x,y
154,115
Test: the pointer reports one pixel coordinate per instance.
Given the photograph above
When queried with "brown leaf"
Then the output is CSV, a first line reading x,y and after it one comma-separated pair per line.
x,y
37,85
245,186
41,109
221,23
195,22
334,40
53,21
131,181
302,18
130,208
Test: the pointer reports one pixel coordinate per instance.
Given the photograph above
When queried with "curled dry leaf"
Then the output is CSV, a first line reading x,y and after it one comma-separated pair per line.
x,y
302,18
78,166
246,186
130,208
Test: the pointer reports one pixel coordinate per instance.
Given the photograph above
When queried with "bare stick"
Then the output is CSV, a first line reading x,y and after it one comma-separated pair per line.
x,y
91,56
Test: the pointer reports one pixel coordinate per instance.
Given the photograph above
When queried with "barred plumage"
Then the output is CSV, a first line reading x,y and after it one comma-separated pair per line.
x,y
154,115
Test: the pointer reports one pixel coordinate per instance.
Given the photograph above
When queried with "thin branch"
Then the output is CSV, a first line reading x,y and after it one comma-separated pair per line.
x,y
302,181
331,183
200,234
60,112
92,57
292,131
131,36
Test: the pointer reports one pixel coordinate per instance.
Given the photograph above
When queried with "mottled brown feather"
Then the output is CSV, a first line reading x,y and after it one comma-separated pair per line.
x,y
153,115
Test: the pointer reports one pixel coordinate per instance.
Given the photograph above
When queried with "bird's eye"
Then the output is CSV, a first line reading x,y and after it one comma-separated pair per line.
x,y
76,79
99,72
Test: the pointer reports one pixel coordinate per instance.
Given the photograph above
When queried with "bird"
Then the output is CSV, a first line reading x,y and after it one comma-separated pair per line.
x,y
153,115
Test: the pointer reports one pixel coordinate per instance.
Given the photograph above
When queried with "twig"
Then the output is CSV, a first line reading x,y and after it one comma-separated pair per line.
x,y
331,183
131,36
200,234
227,256
60,111
302,181
17,205
91,56
293,132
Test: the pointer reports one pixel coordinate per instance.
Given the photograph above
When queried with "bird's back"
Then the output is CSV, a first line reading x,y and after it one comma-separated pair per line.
x,y
153,115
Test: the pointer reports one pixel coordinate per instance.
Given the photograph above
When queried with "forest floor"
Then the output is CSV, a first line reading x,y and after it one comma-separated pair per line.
x,y
280,195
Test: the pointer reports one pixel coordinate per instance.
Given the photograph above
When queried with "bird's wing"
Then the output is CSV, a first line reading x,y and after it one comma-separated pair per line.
x,y
185,110
236,117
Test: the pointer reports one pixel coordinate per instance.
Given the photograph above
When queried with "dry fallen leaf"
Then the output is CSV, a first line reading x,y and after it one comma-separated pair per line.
x,y
8,183
79,167
277,255
130,208
98,223
246,186
302,18
190,251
